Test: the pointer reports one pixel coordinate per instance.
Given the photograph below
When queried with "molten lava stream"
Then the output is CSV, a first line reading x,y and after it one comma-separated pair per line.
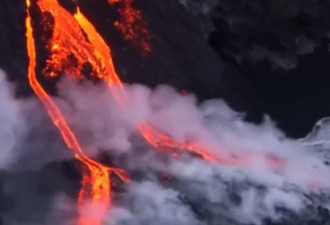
x,y
154,137
96,185
102,50
69,38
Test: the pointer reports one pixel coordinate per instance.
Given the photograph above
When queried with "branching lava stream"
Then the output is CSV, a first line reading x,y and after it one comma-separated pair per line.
x,y
96,181
75,36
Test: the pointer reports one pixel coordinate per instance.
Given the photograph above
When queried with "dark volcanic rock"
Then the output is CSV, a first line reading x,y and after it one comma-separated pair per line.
x,y
13,58
183,58
26,197
180,56
282,48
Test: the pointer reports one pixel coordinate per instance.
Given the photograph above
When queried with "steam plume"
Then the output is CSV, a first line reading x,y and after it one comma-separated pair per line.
x,y
166,190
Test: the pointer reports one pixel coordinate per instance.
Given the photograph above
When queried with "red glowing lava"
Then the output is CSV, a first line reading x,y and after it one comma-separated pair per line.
x,y
96,186
75,37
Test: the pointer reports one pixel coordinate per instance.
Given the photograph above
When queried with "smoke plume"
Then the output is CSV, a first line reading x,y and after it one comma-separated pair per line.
x,y
270,177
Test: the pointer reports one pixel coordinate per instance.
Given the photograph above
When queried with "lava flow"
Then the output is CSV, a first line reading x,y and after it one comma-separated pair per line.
x,y
75,44
69,39
96,182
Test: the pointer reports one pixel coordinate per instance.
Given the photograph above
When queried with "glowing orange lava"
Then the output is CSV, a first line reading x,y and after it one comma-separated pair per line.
x,y
69,39
75,44
96,181
162,141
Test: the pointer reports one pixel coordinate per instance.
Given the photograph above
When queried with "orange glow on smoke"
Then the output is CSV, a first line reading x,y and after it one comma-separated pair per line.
x,y
132,25
96,181
162,141
74,44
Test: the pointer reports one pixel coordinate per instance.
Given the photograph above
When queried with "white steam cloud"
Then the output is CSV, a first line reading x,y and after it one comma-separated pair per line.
x,y
10,120
26,132
275,177
103,124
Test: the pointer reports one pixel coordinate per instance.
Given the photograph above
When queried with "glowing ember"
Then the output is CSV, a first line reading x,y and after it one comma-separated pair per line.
x,y
132,25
